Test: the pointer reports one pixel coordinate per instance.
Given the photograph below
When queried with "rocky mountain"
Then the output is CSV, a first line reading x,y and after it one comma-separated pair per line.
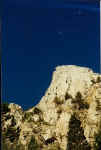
x,y
68,117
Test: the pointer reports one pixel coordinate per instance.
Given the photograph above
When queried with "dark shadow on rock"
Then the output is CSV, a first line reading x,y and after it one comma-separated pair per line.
x,y
76,138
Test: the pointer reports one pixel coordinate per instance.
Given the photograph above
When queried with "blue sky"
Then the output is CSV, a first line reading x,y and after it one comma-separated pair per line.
x,y
38,36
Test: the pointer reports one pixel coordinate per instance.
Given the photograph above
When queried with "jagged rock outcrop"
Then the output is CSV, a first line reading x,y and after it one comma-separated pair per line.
x,y
66,118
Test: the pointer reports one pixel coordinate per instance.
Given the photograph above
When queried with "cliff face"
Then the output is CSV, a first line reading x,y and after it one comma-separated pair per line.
x,y
67,118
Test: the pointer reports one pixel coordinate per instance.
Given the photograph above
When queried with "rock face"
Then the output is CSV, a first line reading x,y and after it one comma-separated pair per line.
x,y
67,118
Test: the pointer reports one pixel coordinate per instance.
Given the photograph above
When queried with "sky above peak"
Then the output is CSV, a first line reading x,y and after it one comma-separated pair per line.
x,y
36,40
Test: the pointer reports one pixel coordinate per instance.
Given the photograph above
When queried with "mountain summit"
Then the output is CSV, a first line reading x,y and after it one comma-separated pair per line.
x,y
68,117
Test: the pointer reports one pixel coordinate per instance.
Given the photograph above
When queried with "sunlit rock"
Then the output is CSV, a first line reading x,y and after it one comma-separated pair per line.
x,y
70,109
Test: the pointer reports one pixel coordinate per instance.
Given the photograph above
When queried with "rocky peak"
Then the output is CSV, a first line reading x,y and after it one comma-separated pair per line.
x,y
67,117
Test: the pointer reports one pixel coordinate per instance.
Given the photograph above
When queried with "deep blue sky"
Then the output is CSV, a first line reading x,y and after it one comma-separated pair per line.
x,y
38,36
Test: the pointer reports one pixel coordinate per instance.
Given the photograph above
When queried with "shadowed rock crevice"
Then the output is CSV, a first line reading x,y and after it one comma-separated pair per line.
x,y
68,96
50,140
80,101
76,138
58,102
